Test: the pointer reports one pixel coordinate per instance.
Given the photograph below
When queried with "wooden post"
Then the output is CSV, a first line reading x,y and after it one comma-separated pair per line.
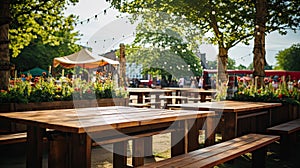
x,y
177,139
4,42
80,150
122,66
120,154
34,146
138,152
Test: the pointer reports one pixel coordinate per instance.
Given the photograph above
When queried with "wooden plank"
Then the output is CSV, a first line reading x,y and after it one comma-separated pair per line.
x,y
120,154
138,152
236,152
34,147
58,148
177,139
285,128
95,119
80,150
230,128
13,138
219,153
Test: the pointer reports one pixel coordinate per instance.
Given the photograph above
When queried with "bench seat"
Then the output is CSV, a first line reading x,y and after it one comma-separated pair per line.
x,y
13,138
286,128
139,105
222,152
287,132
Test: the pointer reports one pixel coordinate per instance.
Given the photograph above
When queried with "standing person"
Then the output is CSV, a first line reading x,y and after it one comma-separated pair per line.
x,y
193,83
200,83
181,82
290,85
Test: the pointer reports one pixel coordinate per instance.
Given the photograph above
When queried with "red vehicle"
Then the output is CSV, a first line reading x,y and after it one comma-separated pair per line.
x,y
209,75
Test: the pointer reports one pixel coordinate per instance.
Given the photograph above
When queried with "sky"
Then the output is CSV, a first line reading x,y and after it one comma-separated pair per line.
x,y
111,28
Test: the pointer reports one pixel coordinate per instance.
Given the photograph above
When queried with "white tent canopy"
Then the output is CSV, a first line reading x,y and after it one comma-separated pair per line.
x,y
83,58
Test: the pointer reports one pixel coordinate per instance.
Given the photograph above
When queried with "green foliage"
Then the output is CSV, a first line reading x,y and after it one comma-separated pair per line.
x,y
250,66
241,67
32,19
288,59
164,45
267,94
229,22
41,55
48,91
231,64
212,64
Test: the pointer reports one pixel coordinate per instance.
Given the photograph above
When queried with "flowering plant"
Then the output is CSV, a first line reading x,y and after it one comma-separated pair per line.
x,y
48,90
268,93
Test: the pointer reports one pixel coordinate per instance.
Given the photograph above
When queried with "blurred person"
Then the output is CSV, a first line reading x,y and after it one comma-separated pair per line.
x,y
200,83
181,82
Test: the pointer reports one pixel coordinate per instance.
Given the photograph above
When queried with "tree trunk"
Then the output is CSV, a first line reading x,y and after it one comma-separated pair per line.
x,y
222,65
259,51
122,66
4,45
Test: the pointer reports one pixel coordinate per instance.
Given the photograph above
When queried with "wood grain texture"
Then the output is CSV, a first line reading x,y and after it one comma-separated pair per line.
x,y
99,118
231,106
217,154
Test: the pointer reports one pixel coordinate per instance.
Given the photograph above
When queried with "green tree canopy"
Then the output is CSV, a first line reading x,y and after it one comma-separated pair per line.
x,y
230,22
32,19
288,59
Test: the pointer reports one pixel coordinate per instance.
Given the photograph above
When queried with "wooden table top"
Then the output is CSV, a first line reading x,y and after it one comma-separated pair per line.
x,y
195,90
178,88
95,119
147,90
230,106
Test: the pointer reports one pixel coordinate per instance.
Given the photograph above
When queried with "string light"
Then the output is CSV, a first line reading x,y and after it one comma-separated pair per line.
x,y
104,12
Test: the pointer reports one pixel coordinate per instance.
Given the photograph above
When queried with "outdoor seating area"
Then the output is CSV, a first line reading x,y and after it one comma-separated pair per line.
x,y
149,84
234,128
168,96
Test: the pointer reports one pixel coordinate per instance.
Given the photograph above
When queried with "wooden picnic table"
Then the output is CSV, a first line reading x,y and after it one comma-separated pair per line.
x,y
80,126
142,92
179,91
202,93
238,117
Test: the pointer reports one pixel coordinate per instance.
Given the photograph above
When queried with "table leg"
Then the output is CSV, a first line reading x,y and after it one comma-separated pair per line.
x,y
210,127
148,146
58,147
156,101
259,158
34,146
120,154
178,140
193,134
140,98
138,152
80,150
230,126
202,97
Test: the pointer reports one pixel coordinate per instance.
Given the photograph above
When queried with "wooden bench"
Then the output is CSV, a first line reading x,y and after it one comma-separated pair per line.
x,y
140,105
222,152
20,137
13,138
287,132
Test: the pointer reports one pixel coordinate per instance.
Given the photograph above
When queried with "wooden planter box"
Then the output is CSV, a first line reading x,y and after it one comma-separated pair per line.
x,y
12,107
285,113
